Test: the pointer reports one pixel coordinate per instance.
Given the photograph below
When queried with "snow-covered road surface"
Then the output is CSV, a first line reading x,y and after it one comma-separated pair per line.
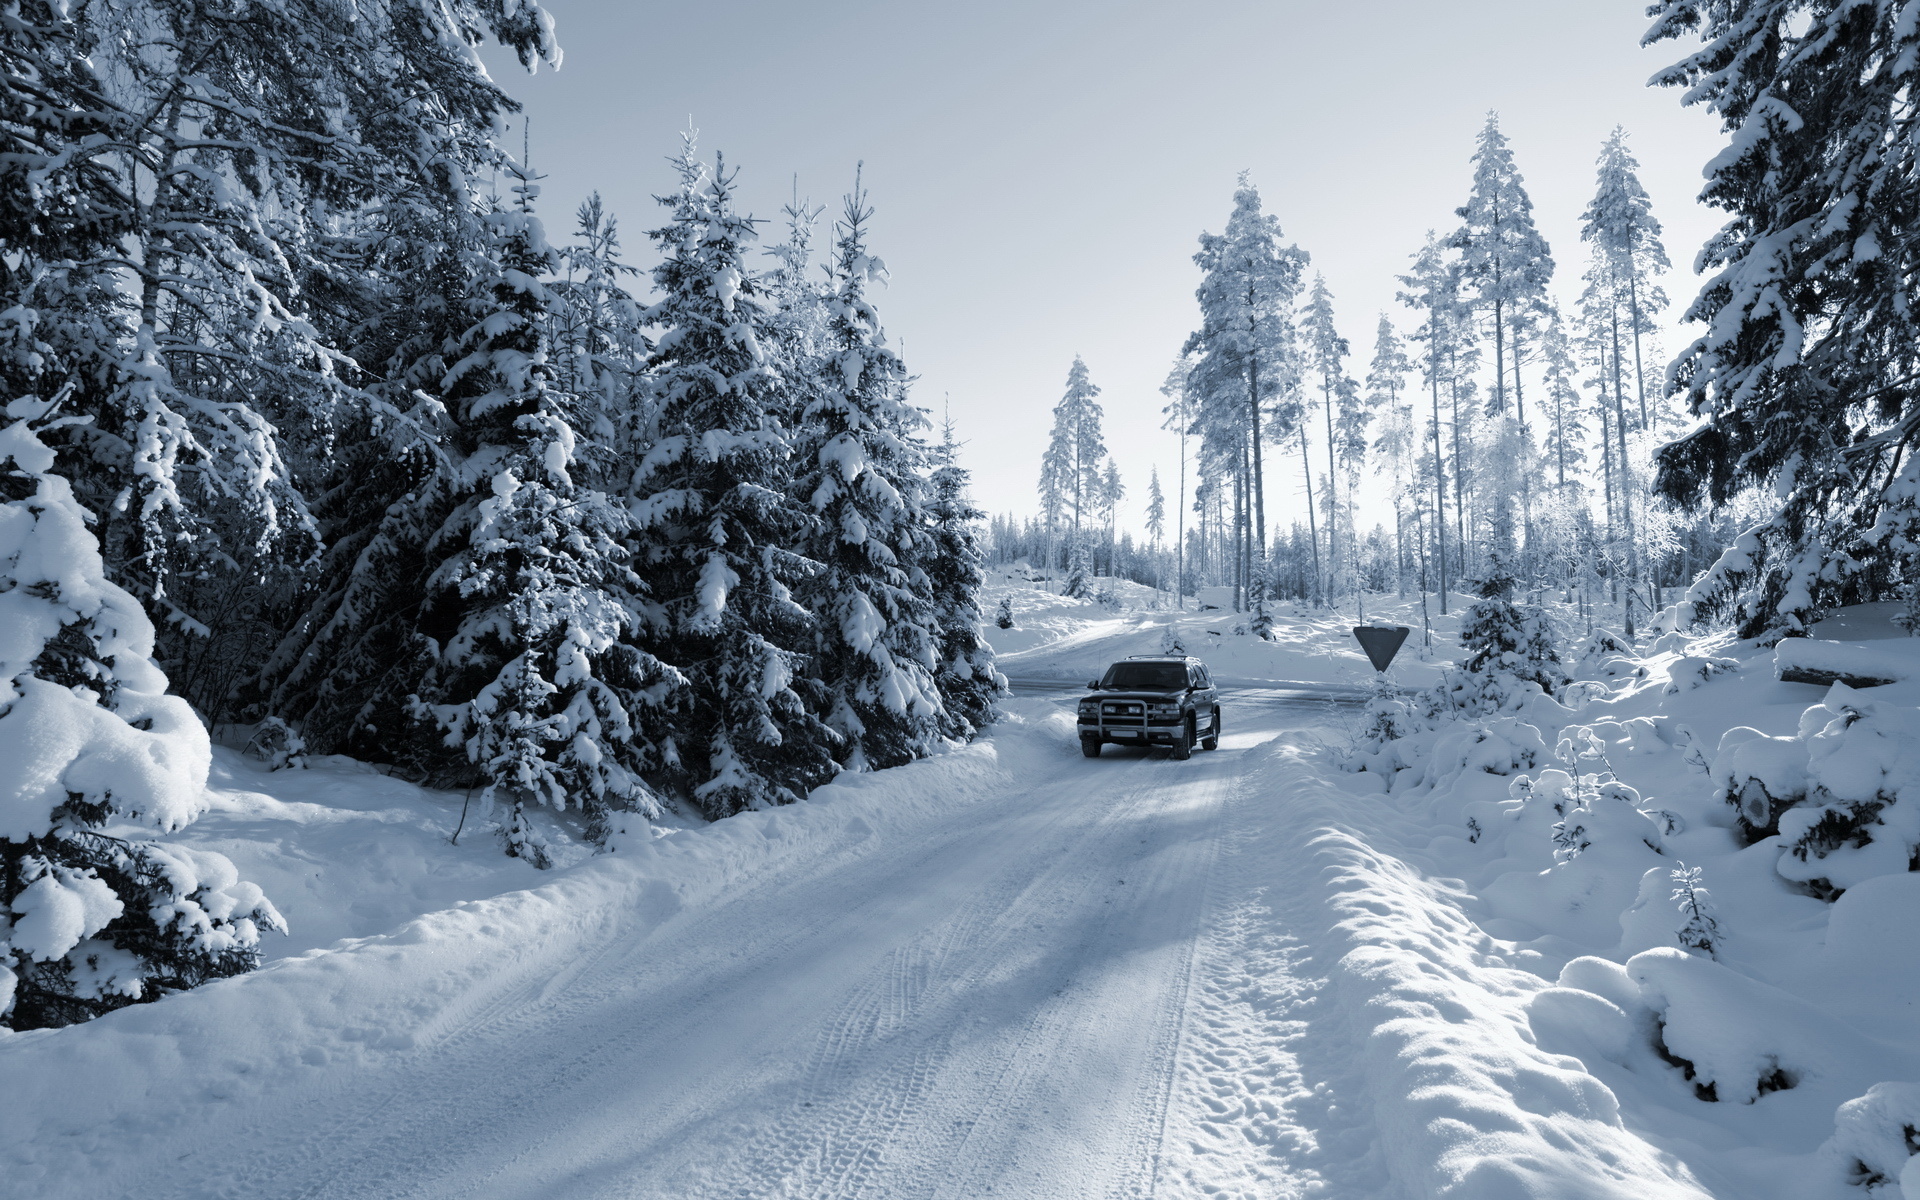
x,y
1003,1003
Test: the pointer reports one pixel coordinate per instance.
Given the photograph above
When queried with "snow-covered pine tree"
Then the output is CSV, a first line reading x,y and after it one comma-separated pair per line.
x,y
1504,260
1565,425
1112,492
1398,440
1324,351
1808,369
970,686
95,913
1244,355
1070,475
1156,521
599,341
1620,225
196,175
1433,289
1079,584
876,645
717,517
1618,302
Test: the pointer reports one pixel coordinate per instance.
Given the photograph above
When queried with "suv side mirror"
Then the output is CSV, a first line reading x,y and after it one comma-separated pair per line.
x,y
1093,684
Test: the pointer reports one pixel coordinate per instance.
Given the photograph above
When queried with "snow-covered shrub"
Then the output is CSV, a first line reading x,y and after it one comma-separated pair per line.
x,y
1861,757
1387,718
1004,618
1735,1039
90,920
1690,671
275,743
1600,643
1503,746
1170,642
1876,1141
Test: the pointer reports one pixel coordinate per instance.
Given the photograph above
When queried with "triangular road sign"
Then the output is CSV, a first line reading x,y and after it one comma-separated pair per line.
x,y
1381,644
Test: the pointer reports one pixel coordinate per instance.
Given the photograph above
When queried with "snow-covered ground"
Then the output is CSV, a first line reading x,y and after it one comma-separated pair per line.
x,y
1011,971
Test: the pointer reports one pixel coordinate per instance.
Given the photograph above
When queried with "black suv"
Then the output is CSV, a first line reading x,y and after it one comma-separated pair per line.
x,y
1152,699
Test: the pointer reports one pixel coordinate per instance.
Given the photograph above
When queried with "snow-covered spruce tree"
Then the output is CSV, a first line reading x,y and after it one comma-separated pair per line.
x,y
970,686
598,343
1079,584
1508,643
1808,371
92,920
858,470
532,610
190,179
484,628
717,517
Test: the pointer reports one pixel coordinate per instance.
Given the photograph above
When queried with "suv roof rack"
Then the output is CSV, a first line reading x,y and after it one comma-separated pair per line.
x,y
1181,657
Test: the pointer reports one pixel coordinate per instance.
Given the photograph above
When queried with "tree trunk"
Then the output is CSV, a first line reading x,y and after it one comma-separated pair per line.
x,y
1439,497
1626,477
1313,535
1333,495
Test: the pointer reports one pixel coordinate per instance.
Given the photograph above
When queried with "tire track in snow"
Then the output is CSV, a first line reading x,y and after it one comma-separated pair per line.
x,y
1267,1101
828,1146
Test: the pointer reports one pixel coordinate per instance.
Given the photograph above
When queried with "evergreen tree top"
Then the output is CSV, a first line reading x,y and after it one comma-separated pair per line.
x,y
1502,251
1620,217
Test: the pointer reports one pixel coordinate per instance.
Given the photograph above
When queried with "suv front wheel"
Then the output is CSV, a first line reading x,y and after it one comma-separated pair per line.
x,y
1212,740
1183,745
1090,746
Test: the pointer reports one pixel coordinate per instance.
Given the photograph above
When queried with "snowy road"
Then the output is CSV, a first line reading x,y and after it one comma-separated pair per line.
x,y
999,1006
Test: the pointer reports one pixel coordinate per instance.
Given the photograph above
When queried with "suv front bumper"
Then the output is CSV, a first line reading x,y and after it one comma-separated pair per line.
x,y
1126,728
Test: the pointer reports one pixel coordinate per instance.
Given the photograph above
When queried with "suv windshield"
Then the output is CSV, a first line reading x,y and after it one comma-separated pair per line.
x,y
1146,676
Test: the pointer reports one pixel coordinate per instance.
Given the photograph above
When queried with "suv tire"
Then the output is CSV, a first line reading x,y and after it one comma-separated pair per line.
x,y
1090,747
1183,749
1212,740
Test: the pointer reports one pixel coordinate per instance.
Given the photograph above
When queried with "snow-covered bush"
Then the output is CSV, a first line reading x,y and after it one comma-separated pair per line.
x,y
95,914
1387,718
1004,618
1692,670
275,743
1601,643
1876,1141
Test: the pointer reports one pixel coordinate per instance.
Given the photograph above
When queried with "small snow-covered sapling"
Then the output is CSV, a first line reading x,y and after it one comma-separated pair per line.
x,y
1699,932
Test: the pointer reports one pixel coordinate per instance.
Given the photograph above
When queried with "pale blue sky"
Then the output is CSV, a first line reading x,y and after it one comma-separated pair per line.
x,y
1041,171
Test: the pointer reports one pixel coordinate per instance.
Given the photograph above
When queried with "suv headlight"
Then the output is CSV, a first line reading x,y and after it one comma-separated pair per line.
x,y
1089,706
1163,710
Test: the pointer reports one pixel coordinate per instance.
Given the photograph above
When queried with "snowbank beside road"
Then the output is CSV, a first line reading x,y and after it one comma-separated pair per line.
x,y
1465,1104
